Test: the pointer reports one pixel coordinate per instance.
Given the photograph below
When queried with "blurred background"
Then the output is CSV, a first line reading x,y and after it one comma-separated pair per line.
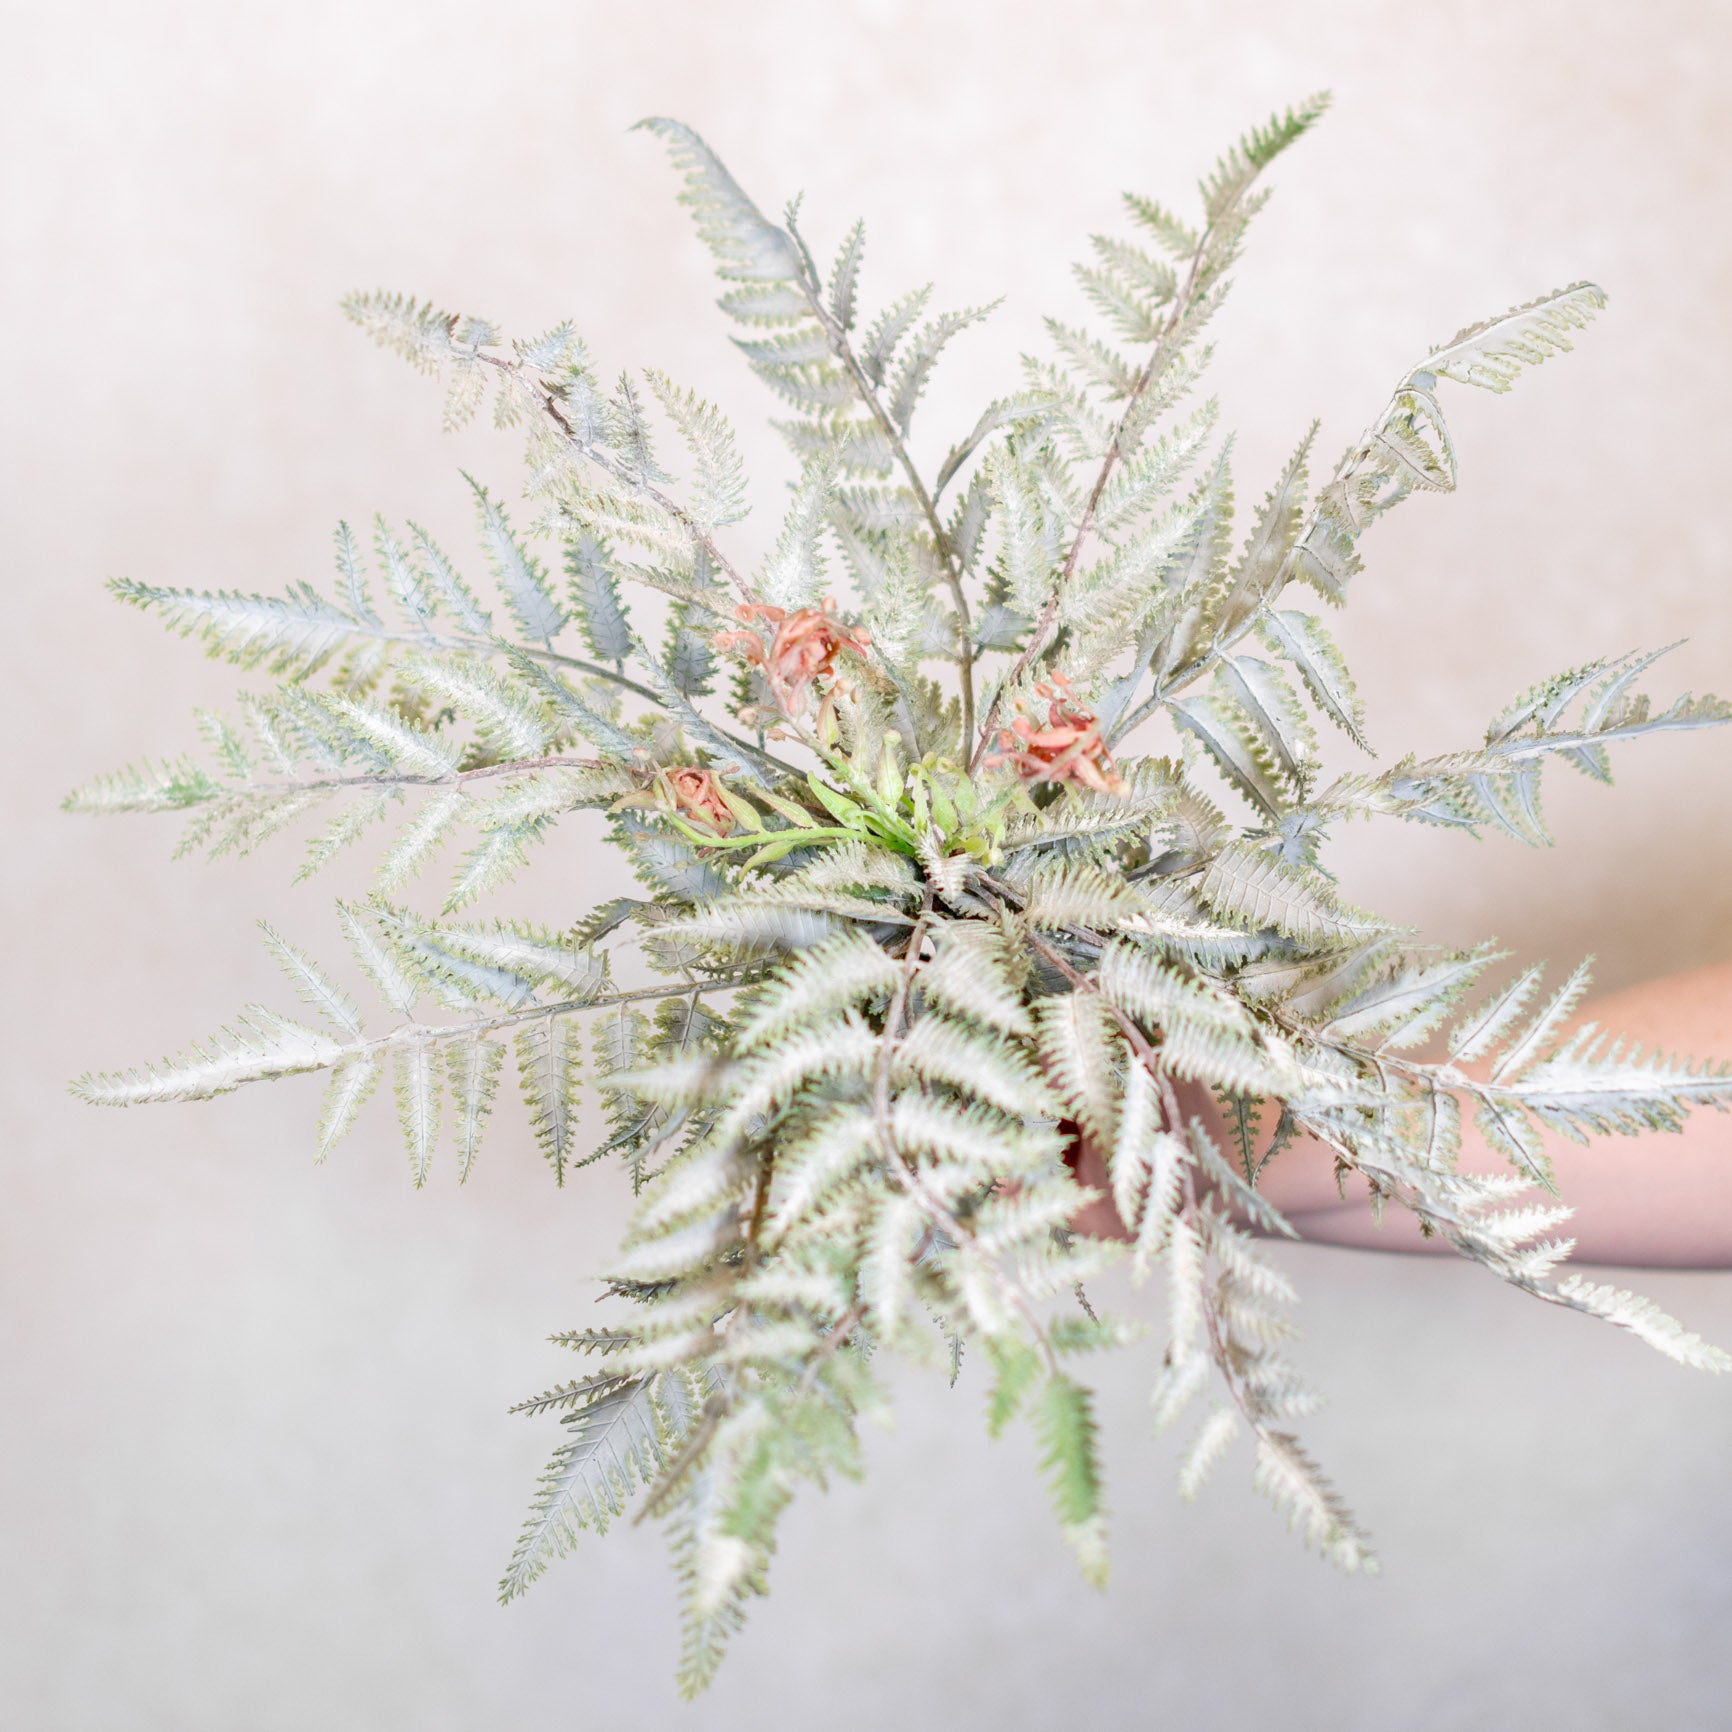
x,y
255,1466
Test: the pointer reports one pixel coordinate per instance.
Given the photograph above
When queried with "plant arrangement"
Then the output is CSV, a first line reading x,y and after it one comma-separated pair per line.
x,y
918,936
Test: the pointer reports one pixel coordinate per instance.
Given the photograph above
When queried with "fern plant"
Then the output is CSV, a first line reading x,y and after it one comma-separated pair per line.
x,y
915,928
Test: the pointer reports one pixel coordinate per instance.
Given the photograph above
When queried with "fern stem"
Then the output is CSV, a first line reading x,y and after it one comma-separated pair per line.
x,y
413,1032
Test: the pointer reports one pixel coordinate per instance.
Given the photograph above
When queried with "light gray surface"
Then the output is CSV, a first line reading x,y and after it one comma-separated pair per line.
x,y
254,1468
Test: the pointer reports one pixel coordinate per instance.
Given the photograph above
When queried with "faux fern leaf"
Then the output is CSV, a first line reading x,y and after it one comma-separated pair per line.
x,y
1064,1424
521,578
719,496
1212,1442
748,248
417,1087
1239,167
311,983
1292,1481
547,1056
472,1072
1492,353
1304,641
600,612
299,631
1253,886
259,1047
1645,1320
793,576
614,1443
1238,749
346,1093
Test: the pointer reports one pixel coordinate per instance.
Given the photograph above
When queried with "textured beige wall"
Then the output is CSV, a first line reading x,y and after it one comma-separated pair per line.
x,y
254,1469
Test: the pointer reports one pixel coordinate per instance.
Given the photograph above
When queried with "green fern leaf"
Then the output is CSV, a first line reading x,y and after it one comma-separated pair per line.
x,y
1239,167
1064,1424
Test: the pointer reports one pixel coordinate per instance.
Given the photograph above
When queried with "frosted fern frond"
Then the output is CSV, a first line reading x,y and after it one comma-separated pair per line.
x,y
418,331
521,578
994,1071
793,576
346,1093
1253,886
600,611
1586,1090
313,986
259,1047
165,787
296,632
472,1075
719,495
617,1440
844,971
1645,1320
971,976
1492,353
748,247
1240,166
1292,1481
1304,641
547,1057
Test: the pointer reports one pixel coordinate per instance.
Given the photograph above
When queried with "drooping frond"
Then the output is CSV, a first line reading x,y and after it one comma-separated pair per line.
x,y
1492,353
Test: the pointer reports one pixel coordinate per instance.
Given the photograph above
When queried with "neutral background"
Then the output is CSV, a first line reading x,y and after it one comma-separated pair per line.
x,y
255,1470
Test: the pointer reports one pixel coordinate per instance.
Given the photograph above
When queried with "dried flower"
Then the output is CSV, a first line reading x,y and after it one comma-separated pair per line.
x,y
1064,747
697,796
803,649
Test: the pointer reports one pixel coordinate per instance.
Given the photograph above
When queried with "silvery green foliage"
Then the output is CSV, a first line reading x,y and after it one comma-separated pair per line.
x,y
907,935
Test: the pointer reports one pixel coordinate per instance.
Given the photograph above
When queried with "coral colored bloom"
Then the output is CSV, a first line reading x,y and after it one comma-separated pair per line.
x,y
698,797
802,650
1064,747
